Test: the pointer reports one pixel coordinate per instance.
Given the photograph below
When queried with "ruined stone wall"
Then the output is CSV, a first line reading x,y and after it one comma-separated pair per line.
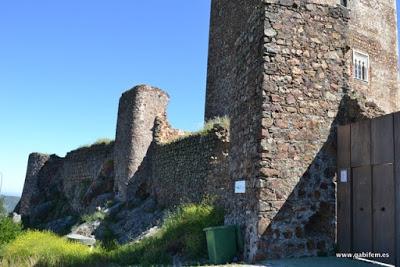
x,y
35,163
373,30
192,168
138,109
60,188
81,168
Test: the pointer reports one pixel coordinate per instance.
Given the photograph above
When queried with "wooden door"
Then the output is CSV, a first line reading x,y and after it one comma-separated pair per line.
x,y
368,179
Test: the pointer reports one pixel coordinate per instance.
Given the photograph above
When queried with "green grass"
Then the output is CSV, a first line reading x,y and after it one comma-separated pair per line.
x,y
34,248
100,141
181,233
207,127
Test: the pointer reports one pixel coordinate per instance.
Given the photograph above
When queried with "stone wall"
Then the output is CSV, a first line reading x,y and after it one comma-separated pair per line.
x,y
305,95
192,168
228,22
288,85
373,30
304,75
245,115
138,109
61,189
81,168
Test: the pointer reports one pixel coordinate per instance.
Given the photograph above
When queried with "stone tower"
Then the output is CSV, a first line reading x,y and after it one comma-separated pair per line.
x,y
138,109
287,72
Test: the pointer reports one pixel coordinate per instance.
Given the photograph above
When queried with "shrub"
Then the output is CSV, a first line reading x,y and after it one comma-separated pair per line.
x,y
96,216
181,233
103,141
34,248
209,125
8,230
185,227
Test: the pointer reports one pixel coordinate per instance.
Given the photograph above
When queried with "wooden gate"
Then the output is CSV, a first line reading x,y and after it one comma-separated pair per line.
x,y
368,188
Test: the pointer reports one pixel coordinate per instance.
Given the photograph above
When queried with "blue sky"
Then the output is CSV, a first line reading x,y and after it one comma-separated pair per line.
x,y
64,65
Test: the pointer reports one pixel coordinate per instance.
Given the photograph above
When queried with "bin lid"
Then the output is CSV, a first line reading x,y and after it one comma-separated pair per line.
x,y
218,227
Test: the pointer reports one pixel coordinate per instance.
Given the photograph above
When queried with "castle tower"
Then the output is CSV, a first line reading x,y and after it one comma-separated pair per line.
x,y
138,109
287,72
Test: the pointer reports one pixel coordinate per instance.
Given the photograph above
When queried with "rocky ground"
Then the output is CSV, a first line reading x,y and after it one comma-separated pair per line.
x,y
121,223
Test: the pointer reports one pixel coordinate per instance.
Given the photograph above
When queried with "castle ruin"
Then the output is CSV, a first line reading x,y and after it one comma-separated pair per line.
x,y
286,73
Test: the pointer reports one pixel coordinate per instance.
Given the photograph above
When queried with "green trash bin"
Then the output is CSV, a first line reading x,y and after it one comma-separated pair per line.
x,y
221,243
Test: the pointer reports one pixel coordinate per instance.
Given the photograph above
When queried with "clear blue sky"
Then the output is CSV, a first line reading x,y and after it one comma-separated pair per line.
x,y
64,65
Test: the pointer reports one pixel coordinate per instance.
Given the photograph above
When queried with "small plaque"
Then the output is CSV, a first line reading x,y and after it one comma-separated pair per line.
x,y
343,176
240,187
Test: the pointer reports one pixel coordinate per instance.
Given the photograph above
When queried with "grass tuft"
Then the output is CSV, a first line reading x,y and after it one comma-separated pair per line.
x,y
209,125
223,122
101,141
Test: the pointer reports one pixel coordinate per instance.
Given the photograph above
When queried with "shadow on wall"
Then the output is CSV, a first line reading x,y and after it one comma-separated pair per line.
x,y
305,225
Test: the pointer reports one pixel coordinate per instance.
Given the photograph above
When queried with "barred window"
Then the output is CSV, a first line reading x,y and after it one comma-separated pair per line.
x,y
361,66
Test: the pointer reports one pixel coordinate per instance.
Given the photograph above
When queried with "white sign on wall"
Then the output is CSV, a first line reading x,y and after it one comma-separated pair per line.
x,y
240,187
343,176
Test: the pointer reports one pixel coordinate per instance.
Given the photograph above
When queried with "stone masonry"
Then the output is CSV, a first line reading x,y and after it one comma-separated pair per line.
x,y
227,23
138,109
35,164
304,84
285,78
373,31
